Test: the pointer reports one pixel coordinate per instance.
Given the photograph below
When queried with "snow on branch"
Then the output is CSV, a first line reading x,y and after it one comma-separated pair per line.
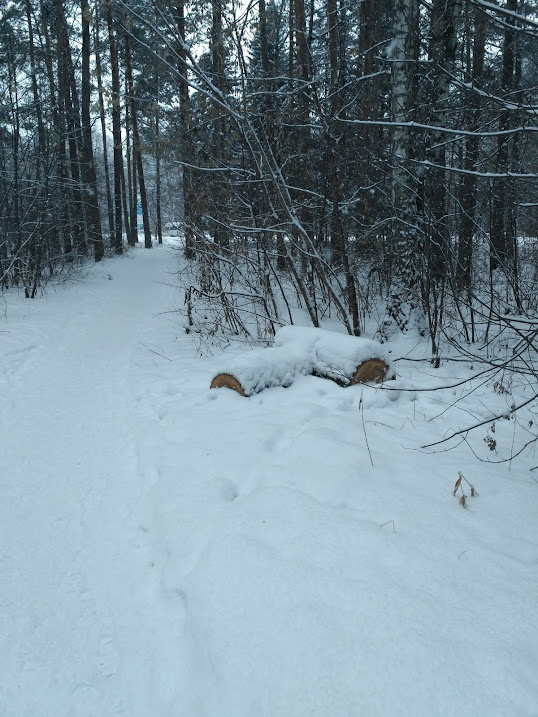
x,y
439,129
485,175
508,13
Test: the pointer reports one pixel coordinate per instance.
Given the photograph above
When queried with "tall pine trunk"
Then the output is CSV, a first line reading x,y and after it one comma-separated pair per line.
x,y
137,154
88,160
187,184
102,119
502,226
469,183
339,237
68,96
116,130
443,42
158,150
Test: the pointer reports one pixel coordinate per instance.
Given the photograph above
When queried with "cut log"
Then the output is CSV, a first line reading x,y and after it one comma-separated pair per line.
x,y
301,350
226,380
263,368
373,370
345,359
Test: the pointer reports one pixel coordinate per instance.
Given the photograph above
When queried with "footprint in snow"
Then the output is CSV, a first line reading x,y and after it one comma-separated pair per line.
x,y
109,658
229,491
85,701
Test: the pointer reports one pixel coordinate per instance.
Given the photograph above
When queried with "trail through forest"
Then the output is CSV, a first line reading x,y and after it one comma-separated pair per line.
x,y
76,621
170,550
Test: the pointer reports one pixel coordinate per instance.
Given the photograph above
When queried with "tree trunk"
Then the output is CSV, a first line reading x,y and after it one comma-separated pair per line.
x,y
58,226
189,200
41,190
116,130
132,227
35,90
443,43
88,160
468,187
137,154
69,102
220,231
158,173
502,237
404,299
339,238
102,118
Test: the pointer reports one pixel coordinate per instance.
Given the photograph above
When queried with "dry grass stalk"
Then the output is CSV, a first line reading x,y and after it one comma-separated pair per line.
x,y
458,484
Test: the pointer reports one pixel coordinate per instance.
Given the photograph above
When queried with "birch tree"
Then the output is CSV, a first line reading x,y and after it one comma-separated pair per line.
x,y
404,304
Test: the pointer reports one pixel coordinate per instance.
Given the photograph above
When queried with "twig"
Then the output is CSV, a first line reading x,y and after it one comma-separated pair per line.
x,y
389,521
483,423
155,352
361,406
491,369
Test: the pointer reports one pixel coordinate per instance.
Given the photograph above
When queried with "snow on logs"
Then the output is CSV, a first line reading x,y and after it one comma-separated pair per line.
x,y
301,350
263,368
343,358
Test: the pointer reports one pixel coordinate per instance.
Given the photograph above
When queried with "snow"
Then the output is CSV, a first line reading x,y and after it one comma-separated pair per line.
x,y
171,550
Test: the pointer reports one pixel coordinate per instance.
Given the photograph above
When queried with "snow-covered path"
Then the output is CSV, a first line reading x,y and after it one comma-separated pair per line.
x,y
77,634
167,550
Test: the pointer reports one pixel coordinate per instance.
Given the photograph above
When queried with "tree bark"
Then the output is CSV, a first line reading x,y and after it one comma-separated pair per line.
x,y
132,227
102,119
468,187
68,101
88,160
158,173
404,298
443,43
116,130
137,154
187,188
502,234
339,237
219,230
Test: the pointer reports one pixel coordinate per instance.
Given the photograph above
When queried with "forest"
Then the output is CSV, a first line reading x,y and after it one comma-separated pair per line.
x,y
330,154
330,207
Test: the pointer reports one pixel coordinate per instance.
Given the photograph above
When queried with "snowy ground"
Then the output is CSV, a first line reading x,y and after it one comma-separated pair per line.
x,y
171,551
